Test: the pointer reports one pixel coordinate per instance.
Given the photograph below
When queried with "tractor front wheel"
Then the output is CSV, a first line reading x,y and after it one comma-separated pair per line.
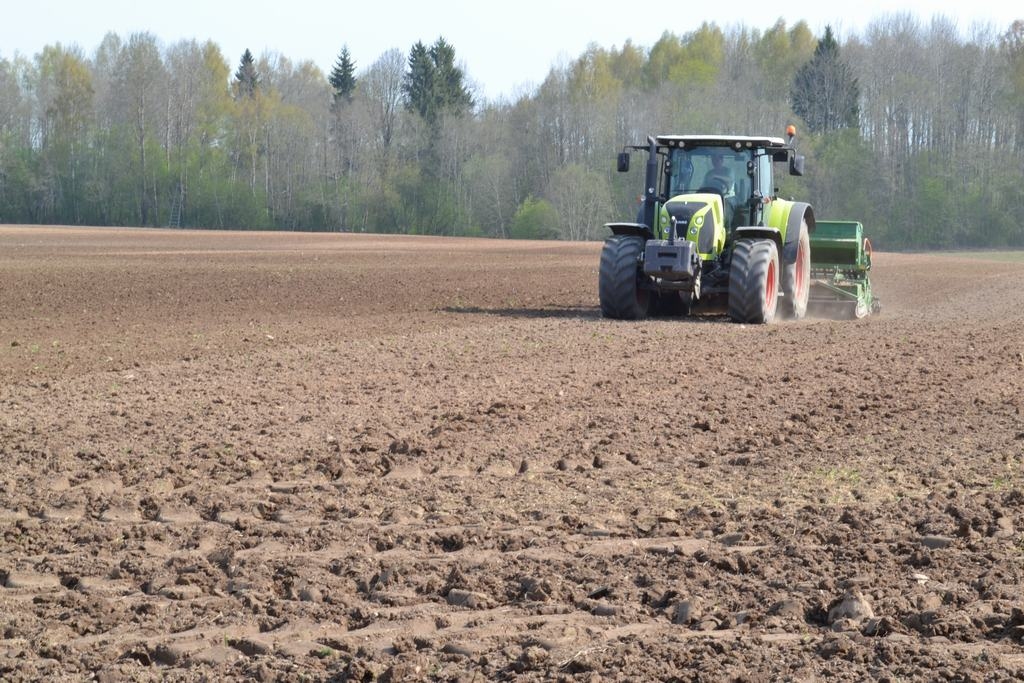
x,y
619,279
754,281
796,278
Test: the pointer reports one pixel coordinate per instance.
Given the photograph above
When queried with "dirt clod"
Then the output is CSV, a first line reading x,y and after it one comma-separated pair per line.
x,y
853,606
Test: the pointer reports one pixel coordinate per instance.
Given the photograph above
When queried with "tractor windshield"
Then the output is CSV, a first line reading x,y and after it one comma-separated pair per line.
x,y
708,169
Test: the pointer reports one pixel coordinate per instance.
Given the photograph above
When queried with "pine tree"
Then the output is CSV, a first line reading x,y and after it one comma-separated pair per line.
x,y
247,79
418,83
825,93
434,86
450,94
342,77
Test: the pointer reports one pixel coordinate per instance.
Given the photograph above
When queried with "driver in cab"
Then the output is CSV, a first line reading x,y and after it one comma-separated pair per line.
x,y
720,176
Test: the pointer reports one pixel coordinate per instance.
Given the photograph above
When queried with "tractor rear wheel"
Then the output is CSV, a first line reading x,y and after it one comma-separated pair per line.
x,y
796,278
619,280
754,281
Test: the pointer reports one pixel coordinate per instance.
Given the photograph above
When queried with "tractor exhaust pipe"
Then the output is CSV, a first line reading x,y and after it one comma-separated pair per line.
x,y
650,183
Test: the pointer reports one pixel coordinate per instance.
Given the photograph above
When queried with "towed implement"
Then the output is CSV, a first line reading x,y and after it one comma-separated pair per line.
x,y
712,236
840,261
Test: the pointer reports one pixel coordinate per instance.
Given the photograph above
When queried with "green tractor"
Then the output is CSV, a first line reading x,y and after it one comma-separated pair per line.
x,y
712,236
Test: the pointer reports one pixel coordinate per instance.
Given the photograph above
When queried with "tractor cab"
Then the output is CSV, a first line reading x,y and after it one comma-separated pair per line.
x,y
738,170
725,178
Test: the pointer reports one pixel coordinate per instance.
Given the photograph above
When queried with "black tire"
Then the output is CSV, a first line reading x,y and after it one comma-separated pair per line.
x,y
619,279
796,278
753,281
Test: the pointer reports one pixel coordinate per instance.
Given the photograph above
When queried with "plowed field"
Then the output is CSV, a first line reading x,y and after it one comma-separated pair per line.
x,y
305,457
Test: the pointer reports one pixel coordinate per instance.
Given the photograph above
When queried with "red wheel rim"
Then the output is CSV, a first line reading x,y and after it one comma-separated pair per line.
x,y
769,286
801,272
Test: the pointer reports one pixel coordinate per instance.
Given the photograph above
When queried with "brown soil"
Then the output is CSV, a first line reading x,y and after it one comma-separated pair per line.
x,y
290,456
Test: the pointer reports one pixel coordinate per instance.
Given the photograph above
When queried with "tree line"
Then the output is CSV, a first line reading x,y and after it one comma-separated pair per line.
x,y
914,128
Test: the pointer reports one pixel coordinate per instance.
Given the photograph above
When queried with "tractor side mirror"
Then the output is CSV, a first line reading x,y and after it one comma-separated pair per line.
x,y
623,162
796,164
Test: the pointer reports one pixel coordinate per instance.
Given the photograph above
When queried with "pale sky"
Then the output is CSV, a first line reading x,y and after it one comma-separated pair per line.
x,y
505,47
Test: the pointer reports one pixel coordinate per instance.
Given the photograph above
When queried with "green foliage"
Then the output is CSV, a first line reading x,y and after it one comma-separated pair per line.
x,y
780,52
247,79
488,180
627,64
693,60
927,155
65,92
664,54
703,55
931,211
592,77
343,76
843,180
433,85
536,219
450,92
20,191
418,84
1012,44
825,92
581,198
423,206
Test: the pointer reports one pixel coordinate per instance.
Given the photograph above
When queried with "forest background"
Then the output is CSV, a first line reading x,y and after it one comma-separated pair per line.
x,y
914,128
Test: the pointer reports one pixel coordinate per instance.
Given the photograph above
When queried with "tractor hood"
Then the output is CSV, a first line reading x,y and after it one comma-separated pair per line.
x,y
699,219
685,207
